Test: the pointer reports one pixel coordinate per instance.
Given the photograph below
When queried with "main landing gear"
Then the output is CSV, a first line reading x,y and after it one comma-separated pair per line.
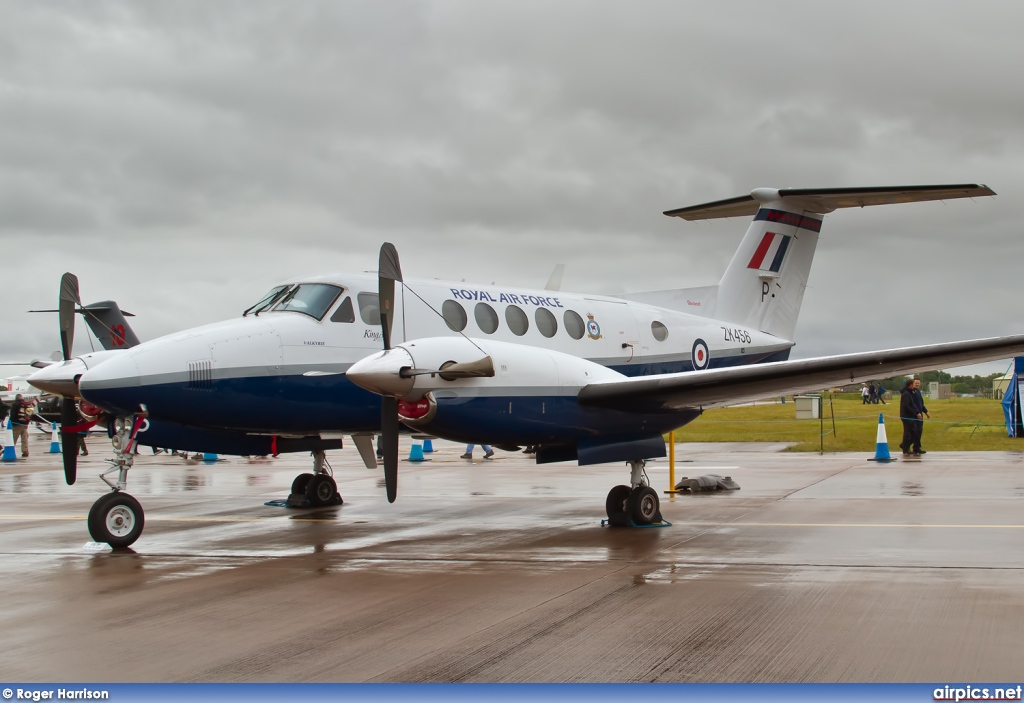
x,y
636,503
117,518
318,488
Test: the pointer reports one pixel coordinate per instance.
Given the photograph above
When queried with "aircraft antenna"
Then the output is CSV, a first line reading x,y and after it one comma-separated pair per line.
x,y
405,284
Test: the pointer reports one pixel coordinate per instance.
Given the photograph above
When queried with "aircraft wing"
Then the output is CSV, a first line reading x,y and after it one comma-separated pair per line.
x,y
727,386
825,200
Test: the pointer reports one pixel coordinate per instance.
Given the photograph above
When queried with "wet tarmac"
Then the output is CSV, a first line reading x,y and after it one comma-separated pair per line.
x,y
819,569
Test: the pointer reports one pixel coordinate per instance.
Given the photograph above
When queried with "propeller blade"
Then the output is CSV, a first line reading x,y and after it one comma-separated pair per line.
x,y
66,309
389,444
69,440
389,271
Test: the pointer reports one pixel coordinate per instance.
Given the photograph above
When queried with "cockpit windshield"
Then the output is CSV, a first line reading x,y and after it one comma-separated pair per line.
x,y
313,299
266,301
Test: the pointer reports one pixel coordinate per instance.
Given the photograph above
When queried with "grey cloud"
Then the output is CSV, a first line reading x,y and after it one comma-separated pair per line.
x,y
181,157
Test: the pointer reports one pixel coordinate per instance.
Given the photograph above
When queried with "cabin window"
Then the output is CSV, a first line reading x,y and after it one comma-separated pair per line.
x,y
546,322
486,318
517,320
369,308
574,324
345,312
454,315
659,331
313,299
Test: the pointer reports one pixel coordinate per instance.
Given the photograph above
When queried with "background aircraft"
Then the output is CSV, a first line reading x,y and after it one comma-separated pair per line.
x,y
279,371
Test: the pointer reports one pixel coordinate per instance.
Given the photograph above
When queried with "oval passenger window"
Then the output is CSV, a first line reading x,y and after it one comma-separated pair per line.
x,y
546,322
517,320
574,324
454,315
486,318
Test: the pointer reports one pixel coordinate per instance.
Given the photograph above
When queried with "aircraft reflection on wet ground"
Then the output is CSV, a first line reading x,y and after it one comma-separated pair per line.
x,y
821,569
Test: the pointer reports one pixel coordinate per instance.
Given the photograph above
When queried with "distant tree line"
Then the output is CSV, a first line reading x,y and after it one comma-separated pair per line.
x,y
957,384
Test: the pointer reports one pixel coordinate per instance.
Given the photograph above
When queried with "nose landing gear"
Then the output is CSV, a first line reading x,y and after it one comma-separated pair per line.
x,y
117,518
637,503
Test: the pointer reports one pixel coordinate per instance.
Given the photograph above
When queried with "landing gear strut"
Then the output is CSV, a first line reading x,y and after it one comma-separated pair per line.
x,y
318,487
117,518
636,503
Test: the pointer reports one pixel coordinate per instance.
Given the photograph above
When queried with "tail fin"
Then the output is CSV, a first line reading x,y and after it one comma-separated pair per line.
x,y
108,324
764,284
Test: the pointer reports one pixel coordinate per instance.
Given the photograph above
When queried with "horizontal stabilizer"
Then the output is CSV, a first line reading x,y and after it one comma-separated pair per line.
x,y
825,200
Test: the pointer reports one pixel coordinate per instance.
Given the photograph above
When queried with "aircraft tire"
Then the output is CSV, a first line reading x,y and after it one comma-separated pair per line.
x,y
117,519
321,491
616,506
644,506
300,483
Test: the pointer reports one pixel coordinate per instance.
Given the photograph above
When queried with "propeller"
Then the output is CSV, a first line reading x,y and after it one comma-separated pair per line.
x,y
66,307
389,271
383,374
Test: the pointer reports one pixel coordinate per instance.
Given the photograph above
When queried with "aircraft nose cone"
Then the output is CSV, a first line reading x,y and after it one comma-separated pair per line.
x,y
59,379
113,385
380,373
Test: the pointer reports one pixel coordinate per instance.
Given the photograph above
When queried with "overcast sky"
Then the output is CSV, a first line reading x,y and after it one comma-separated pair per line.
x,y
183,157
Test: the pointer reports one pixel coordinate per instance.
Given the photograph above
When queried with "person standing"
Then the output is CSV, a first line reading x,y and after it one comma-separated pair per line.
x,y
912,411
488,452
921,411
21,414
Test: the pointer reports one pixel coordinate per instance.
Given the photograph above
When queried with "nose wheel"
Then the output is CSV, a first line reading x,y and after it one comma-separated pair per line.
x,y
117,519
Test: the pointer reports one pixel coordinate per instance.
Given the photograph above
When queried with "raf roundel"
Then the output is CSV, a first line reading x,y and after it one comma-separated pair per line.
x,y
700,355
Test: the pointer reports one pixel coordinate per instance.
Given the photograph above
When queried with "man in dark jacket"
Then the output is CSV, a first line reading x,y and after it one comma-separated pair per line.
x,y
922,410
20,414
912,411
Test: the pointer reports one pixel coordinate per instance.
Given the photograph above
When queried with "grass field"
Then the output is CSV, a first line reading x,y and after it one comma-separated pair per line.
x,y
957,424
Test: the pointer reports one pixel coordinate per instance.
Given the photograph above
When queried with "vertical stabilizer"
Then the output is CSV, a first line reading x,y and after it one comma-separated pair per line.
x,y
764,284
108,325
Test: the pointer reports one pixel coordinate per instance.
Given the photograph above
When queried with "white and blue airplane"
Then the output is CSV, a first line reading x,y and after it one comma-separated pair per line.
x,y
584,377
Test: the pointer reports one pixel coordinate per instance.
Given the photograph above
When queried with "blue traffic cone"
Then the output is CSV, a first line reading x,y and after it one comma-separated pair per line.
x,y
881,444
55,440
8,436
207,456
416,451
428,446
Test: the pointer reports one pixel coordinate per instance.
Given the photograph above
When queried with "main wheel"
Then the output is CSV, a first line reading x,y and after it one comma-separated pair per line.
x,y
321,490
616,506
117,519
644,506
300,483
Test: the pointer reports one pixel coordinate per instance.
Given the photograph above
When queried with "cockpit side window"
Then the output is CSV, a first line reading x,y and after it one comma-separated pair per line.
x,y
313,299
275,294
369,308
345,311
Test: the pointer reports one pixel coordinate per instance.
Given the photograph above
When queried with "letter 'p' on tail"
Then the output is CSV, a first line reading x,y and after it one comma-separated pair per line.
x,y
764,284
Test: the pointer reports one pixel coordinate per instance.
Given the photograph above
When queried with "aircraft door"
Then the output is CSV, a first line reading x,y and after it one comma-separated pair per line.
x,y
612,324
